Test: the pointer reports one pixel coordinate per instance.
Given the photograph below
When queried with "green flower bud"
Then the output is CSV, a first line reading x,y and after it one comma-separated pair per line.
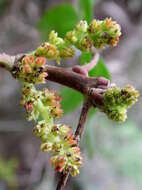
x,y
46,147
64,48
82,26
79,37
47,50
41,129
117,101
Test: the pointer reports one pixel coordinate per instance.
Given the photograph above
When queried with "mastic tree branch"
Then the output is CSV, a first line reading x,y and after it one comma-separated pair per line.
x,y
43,106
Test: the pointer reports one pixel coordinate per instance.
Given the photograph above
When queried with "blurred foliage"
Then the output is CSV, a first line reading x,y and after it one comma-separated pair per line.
x,y
88,140
122,148
3,4
100,70
71,99
8,171
60,18
86,9
85,57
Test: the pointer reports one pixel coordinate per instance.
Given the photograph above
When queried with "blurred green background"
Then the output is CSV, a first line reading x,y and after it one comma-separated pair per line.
x,y
112,152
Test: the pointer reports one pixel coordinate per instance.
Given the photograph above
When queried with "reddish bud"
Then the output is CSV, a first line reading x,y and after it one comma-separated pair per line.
x,y
29,107
31,58
27,68
60,163
41,61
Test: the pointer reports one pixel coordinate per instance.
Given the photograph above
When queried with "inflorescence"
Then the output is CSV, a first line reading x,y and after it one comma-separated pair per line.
x,y
31,69
43,107
98,34
116,102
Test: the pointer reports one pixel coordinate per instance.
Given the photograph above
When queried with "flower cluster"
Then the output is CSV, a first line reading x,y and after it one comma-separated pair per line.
x,y
55,49
98,34
116,102
31,69
106,32
40,103
60,141
44,107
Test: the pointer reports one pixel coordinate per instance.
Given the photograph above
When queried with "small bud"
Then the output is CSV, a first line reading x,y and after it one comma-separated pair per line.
x,y
29,107
79,37
40,61
48,50
27,69
82,26
58,163
74,171
46,147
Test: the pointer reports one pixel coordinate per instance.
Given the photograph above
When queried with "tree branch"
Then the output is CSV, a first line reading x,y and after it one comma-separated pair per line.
x,y
77,81
78,135
7,61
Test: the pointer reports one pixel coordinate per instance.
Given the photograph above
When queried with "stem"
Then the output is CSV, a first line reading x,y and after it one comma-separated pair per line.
x,y
84,69
44,112
82,120
7,61
88,67
69,78
78,134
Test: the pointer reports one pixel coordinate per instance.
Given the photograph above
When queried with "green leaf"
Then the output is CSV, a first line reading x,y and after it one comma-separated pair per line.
x,y
86,9
60,18
71,99
100,70
85,57
3,4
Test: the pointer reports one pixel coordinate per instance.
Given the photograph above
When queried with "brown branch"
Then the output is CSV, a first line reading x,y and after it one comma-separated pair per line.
x,y
82,120
65,76
78,135
88,86
7,61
